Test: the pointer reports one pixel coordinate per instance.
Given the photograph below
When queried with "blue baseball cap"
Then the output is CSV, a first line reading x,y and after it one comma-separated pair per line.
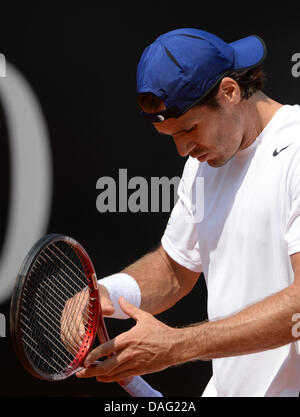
x,y
182,66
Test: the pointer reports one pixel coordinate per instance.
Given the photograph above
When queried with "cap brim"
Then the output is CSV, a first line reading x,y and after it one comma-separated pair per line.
x,y
249,52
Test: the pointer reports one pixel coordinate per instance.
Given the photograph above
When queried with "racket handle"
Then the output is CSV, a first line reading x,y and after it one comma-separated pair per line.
x,y
138,387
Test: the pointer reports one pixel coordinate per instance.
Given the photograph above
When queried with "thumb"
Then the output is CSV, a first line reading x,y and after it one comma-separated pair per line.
x,y
106,303
129,309
107,308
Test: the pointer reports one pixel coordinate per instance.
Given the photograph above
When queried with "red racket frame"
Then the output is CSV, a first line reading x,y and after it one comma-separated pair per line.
x,y
94,307
135,386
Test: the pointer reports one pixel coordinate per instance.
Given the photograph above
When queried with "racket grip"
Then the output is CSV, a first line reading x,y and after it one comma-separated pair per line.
x,y
138,387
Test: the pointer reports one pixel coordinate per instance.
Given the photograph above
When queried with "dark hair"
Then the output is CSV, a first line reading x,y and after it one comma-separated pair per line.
x,y
250,81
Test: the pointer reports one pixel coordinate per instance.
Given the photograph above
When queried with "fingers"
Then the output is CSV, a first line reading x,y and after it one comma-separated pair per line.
x,y
135,352
131,310
106,303
104,350
73,320
98,368
71,339
111,369
122,378
113,351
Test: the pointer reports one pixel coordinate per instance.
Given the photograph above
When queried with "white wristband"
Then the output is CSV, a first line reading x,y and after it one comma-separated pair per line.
x,y
118,285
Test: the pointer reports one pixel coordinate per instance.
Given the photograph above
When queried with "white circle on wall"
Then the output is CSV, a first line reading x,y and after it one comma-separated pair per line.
x,y
30,173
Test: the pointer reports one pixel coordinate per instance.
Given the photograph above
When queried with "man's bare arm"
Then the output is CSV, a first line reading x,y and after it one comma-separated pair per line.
x,y
264,325
162,280
151,346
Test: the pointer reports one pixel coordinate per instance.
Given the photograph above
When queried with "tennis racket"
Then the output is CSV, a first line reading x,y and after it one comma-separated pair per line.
x,y
56,312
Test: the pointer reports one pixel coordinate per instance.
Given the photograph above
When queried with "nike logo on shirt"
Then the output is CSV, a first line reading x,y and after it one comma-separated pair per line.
x,y
275,153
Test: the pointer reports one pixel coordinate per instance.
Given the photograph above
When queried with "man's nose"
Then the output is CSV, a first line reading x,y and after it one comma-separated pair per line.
x,y
184,146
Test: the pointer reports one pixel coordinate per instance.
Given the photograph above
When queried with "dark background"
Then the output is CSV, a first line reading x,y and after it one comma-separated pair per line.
x,y
80,58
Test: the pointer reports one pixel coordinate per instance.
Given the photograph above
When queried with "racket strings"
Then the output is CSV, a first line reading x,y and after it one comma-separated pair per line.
x,y
34,348
61,277
46,299
72,254
47,346
52,316
60,302
74,289
54,297
86,316
77,263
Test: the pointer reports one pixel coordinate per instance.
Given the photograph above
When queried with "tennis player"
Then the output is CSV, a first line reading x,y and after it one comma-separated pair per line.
x,y
207,94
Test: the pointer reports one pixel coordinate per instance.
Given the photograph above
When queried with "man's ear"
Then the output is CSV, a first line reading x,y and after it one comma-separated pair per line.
x,y
229,91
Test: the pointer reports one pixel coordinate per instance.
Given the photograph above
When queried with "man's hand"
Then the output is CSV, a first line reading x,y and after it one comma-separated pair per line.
x,y
106,303
146,348
74,317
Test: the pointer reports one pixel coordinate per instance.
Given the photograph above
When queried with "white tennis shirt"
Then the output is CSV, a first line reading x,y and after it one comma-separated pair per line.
x,y
250,227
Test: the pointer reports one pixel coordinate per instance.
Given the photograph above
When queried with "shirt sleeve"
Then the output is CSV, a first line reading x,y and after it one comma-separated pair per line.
x,y
292,233
180,239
